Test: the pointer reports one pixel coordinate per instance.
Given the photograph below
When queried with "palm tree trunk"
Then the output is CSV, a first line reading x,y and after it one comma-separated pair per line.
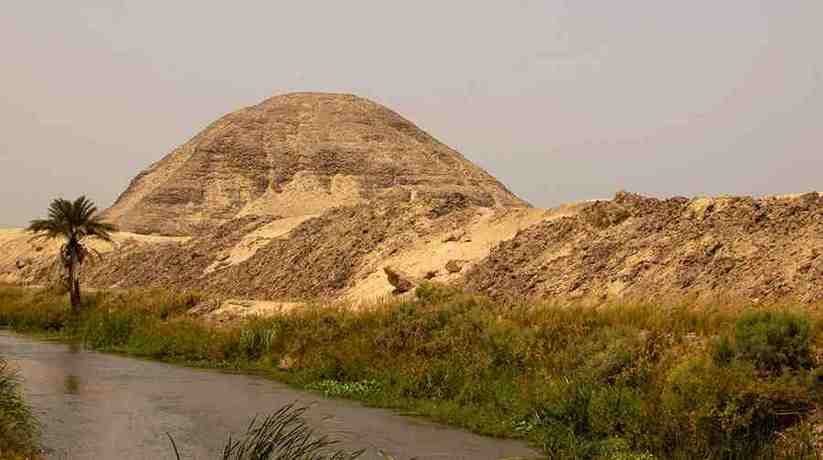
x,y
74,286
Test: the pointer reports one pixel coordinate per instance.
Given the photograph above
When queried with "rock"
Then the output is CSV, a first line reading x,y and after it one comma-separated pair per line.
x,y
21,263
430,274
455,266
286,363
402,282
456,236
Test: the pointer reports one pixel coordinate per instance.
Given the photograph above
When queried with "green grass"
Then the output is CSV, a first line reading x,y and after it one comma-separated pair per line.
x,y
621,381
19,432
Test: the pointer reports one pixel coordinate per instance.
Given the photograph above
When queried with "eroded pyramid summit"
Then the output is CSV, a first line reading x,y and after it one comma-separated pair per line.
x,y
296,155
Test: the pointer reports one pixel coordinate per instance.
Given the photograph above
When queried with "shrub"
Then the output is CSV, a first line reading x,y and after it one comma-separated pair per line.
x,y
730,411
773,340
616,411
430,293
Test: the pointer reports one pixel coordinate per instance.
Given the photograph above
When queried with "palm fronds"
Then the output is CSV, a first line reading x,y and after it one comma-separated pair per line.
x,y
72,220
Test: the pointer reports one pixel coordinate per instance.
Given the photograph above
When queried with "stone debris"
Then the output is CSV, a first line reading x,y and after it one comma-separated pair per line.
x,y
401,281
455,266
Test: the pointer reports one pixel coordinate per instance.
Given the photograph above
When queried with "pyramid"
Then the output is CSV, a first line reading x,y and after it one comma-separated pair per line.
x,y
296,155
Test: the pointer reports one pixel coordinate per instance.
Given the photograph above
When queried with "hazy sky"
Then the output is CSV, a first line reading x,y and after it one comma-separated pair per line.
x,y
561,100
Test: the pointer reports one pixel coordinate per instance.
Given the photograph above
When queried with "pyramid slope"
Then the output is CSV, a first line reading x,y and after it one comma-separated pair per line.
x,y
295,155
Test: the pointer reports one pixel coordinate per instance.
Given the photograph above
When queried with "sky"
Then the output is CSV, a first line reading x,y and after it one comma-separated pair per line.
x,y
560,100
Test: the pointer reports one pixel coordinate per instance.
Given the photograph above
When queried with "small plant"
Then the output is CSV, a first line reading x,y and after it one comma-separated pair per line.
x,y
256,338
335,389
283,435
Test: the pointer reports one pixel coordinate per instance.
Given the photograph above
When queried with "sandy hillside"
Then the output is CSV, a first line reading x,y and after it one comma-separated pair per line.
x,y
338,254
22,257
757,250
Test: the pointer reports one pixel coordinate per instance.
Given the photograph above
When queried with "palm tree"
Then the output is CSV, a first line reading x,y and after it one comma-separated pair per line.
x,y
74,222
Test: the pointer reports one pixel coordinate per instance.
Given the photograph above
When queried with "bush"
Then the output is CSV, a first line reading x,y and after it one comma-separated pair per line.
x,y
730,412
430,293
773,340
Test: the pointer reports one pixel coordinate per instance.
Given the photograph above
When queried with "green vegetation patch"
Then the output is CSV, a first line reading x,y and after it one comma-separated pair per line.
x,y
619,381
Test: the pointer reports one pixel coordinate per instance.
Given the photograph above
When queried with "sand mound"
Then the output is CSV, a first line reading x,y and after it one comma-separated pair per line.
x,y
27,261
295,155
637,247
338,254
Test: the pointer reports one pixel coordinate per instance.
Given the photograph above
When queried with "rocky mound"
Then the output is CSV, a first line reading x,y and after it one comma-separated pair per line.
x,y
636,247
319,258
342,253
298,155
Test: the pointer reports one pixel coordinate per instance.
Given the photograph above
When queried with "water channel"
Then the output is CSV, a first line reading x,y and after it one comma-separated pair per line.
x,y
102,406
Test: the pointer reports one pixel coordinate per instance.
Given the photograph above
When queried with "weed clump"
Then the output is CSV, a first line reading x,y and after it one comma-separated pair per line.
x,y
283,435
19,430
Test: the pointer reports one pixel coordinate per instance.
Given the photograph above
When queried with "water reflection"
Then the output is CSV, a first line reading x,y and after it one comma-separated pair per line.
x,y
71,384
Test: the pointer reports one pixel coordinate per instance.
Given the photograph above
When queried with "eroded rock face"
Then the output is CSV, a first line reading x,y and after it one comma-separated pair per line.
x,y
300,154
